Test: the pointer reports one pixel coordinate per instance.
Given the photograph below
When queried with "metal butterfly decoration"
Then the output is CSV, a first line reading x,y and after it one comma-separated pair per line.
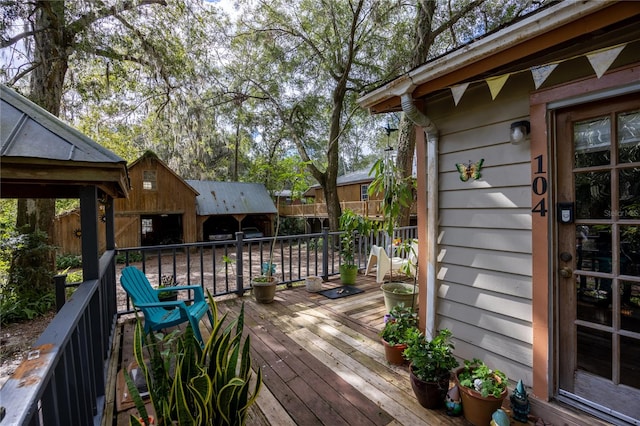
x,y
470,170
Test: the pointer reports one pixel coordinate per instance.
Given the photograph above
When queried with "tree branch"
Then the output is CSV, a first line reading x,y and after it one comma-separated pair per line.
x,y
112,54
96,14
8,42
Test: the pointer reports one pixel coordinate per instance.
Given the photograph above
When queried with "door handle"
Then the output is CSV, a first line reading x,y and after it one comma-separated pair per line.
x,y
566,272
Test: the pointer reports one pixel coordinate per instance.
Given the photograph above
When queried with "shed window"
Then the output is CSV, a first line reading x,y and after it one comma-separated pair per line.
x,y
149,180
147,226
364,192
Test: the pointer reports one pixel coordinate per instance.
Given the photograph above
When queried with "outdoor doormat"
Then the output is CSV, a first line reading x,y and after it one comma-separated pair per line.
x,y
343,291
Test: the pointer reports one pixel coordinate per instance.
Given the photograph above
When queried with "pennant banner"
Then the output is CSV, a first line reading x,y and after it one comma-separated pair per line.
x,y
541,73
602,60
458,91
496,83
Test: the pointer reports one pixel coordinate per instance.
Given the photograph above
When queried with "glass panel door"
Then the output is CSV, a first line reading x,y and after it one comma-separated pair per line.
x,y
599,256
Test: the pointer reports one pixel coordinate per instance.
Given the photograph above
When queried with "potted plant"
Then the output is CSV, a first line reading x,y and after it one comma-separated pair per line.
x,y
431,362
351,225
264,285
482,389
396,331
396,292
191,385
397,193
167,281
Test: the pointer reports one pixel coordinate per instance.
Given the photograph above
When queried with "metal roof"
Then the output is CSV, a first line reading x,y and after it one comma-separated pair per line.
x,y
219,198
27,130
39,149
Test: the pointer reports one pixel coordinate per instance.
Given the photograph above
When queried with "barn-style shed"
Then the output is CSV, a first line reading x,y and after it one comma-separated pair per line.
x,y
163,208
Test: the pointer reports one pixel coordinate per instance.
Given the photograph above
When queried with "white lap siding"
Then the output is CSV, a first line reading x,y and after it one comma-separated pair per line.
x,y
484,233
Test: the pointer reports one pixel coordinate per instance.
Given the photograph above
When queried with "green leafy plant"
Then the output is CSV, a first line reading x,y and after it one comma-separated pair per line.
x,y
431,360
402,322
165,282
131,256
478,376
397,192
68,261
194,386
352,225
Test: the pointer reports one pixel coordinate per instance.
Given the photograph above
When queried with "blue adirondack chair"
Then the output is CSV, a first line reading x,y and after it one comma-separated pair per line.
x,y
159,315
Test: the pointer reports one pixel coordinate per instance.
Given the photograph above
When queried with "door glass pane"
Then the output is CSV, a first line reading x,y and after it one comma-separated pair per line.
x,y
630,354
629,137
630,302
592,141
593,195
594,351
630,250
594,293
629,194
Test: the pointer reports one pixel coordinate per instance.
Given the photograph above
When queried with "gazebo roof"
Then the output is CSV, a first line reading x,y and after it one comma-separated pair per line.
x,y
43,157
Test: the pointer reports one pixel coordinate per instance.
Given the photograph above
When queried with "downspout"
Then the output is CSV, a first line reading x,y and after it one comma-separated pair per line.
x,y
431,132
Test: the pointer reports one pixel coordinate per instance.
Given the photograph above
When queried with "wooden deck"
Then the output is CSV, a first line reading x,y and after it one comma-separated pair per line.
x,y
322,361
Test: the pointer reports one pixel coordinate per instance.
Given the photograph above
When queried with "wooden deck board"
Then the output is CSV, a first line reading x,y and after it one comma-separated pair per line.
x,y
322,361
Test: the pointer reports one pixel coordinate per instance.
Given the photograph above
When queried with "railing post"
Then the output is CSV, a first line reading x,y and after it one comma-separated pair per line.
x,y
239,263
60,283
325,254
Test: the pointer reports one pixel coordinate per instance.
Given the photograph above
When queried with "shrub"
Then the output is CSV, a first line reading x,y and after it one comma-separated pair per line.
x,y
68,261
16,309
31,268
133,256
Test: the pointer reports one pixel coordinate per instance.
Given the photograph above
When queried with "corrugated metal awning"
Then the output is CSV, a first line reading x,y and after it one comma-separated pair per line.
x,y
226,198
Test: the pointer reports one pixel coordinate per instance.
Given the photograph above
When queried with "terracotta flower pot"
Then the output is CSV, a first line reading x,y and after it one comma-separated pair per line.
x,y
430,395
476,408
393,353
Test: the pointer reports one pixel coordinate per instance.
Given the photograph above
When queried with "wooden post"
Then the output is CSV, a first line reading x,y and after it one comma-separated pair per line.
x,y
89,227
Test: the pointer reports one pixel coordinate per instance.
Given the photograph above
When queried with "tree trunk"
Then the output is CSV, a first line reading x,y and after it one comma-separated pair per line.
x,y
46,83
404,162
407,136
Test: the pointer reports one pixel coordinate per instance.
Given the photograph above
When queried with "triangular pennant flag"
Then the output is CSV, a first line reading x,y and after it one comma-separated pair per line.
x,y
541,73
602,59
496,83
458,91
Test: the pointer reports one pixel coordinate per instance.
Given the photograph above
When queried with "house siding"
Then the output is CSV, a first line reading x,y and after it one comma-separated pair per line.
x,y
484,236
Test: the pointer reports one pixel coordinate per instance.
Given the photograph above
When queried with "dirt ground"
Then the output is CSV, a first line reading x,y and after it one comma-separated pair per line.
x,y
16,340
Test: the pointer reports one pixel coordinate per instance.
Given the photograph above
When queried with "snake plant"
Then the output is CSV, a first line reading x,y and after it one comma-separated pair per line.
x,y
195,386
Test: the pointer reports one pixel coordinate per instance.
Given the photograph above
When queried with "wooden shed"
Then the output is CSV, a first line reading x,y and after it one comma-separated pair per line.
x,y
160,209
533,262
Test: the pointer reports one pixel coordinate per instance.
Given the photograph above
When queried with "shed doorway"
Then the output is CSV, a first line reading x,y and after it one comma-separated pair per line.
x,y
161,229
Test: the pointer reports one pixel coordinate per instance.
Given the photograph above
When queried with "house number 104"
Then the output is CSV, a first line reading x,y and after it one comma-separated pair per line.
x,y
539,187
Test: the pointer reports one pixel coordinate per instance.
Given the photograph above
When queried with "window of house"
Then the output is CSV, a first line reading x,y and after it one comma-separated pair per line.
x,y
364,192
149,180
147,226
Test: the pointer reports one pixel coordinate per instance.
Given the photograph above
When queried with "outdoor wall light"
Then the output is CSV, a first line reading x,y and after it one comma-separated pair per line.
x,y
519,132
